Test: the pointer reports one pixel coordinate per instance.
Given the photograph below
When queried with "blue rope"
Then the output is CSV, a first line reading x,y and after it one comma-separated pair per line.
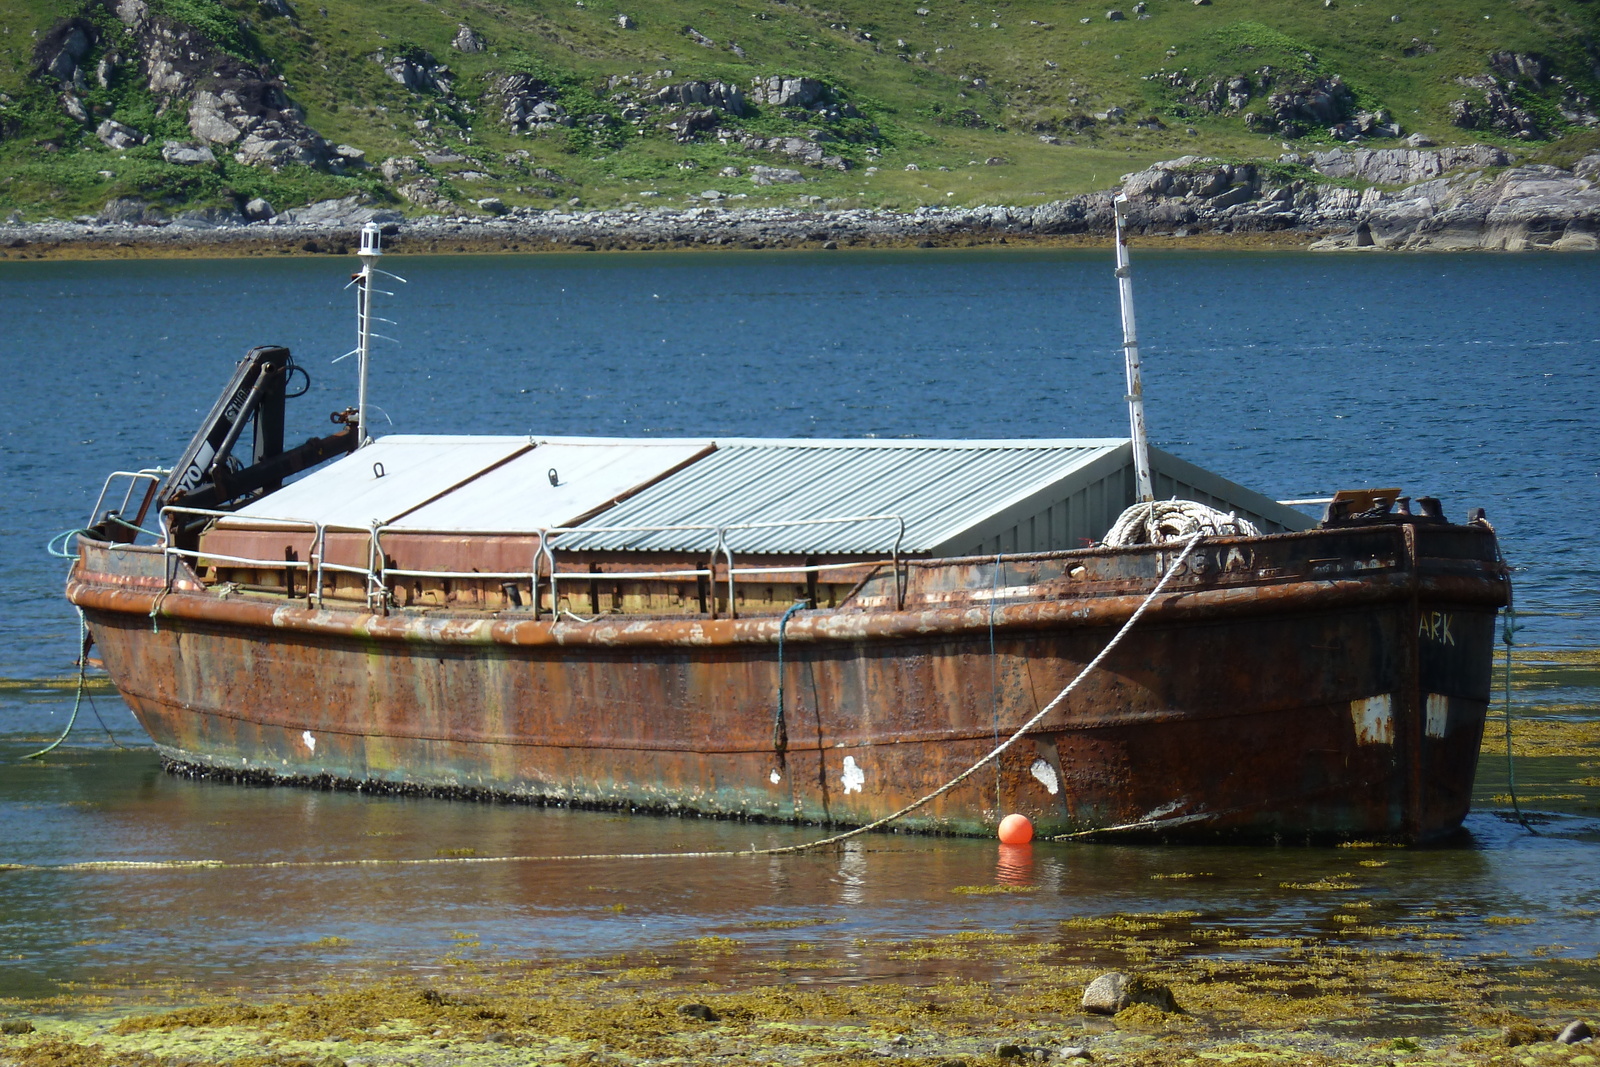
x,y
61,539
83,667
780,728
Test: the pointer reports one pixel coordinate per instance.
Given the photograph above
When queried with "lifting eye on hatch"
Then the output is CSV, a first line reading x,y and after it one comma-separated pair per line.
x,y
555,479
377,470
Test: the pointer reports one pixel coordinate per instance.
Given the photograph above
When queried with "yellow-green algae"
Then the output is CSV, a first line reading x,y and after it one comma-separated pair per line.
x,y
1316,1000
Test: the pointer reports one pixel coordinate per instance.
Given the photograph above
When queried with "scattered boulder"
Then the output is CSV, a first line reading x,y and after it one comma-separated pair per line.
x,y
492,205
74,108
15,1026
1115,15
186,154
1114,991
258,210
1574,1032
350,155
468,40
626,23
760,175
114,134
393,167
698,38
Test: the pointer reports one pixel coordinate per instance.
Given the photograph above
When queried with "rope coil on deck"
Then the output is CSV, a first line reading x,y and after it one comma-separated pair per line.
x,y
782,850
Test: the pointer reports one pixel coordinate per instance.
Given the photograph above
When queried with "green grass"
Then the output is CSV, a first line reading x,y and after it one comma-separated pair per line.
x,y
1042,69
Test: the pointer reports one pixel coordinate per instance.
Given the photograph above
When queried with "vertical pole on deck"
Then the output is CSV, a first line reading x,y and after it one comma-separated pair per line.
x,y
371,249
1130,353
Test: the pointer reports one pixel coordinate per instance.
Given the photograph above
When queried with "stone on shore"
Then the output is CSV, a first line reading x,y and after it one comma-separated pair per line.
x,y
1574,1032
1114,991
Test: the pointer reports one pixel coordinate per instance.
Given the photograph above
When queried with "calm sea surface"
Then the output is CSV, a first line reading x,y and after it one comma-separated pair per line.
x,y
1475,379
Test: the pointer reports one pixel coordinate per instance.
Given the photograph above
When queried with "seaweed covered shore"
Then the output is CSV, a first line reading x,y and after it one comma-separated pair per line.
x,y
974,997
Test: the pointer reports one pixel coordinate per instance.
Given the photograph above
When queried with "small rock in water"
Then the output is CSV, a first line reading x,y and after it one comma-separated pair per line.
x,y
1007,1051
1575,1031
698,1011
15,1026
1075,1052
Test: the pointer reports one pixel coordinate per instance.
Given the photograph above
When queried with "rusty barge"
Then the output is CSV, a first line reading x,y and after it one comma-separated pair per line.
x,y
815,631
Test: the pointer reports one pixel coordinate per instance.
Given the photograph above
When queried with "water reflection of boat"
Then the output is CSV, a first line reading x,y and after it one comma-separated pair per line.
x,y
799,630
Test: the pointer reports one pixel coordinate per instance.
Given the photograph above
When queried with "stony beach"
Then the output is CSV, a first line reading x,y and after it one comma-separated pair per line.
x,y
1415,199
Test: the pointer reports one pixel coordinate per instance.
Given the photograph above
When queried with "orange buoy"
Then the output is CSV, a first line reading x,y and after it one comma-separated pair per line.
x,y
1015,830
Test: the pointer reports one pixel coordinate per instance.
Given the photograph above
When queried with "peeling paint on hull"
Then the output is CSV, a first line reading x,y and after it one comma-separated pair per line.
x,y
1228,709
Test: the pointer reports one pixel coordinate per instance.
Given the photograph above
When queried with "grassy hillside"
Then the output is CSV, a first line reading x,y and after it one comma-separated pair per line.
x,y
934,83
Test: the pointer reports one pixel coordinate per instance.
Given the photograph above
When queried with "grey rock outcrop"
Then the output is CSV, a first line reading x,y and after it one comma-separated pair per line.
x,y
418,71
1447,199
131,211
527,104
1491,107
346,213
721,95
228,101
61,50
468,40
788,92
1399,166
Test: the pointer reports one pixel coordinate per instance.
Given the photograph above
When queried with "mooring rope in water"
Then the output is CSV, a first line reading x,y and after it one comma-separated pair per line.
x,y
780,850
77,701
1507,632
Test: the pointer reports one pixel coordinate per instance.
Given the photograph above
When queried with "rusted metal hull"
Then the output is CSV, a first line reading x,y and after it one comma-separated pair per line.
x,y
1332,683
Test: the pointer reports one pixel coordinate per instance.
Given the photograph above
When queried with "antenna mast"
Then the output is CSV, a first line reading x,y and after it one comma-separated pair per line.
x,y
371,249
1130,352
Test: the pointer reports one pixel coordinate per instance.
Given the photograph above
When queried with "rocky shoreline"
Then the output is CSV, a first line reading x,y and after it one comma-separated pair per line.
x,y
1451,199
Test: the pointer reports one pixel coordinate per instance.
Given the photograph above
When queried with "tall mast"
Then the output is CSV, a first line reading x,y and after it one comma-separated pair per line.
x,y
1130,353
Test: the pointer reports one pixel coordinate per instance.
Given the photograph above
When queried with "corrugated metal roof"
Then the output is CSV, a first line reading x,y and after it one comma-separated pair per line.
x,y
939,488
519,496
415,469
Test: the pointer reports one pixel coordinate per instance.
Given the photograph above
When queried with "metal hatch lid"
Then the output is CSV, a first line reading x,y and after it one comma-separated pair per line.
x,y
520,496
939,488
382,481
